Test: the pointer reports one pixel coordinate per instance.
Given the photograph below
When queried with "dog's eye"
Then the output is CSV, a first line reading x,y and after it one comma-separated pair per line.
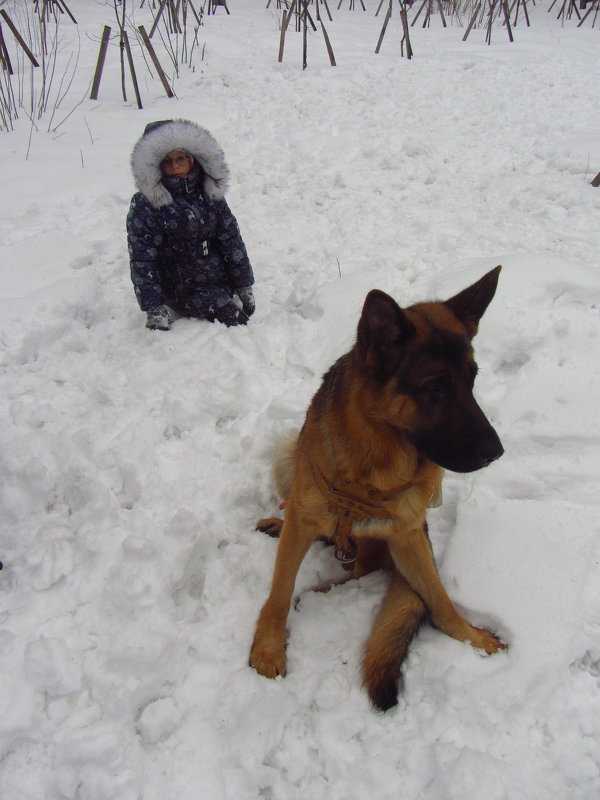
x,y
434,387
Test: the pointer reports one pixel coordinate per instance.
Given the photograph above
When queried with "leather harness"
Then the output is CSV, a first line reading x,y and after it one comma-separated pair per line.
x,y
355,503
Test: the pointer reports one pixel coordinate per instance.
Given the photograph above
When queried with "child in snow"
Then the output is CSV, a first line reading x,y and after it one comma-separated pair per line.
x,y
185,247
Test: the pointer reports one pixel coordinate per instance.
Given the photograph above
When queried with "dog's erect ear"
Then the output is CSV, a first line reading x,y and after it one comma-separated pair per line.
x,y
469,305
382,329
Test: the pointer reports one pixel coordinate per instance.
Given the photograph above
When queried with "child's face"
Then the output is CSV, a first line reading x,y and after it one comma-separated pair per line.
x,y
176,164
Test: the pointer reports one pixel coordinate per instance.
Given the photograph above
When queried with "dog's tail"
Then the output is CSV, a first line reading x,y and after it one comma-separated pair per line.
x,y
282,472
398,620
284,464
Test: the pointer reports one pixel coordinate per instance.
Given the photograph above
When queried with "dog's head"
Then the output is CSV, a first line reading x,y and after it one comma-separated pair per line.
x,y
420,363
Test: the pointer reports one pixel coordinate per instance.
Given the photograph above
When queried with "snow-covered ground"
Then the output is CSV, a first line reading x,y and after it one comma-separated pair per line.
x,y
135,463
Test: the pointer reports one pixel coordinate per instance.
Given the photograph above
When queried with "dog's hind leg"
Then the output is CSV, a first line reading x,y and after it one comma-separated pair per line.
x,y
398,620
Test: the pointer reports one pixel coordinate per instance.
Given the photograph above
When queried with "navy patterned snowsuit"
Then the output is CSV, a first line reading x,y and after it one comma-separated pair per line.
x,y
190,254
185,246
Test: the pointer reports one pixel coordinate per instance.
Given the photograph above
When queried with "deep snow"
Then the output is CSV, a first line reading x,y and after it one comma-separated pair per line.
x,y
135,463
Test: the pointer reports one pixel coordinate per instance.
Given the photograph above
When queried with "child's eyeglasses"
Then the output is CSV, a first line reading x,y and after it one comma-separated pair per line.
x,y
179,160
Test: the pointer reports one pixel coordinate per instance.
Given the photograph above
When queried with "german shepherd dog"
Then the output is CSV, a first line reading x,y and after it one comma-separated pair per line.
x,y
388,417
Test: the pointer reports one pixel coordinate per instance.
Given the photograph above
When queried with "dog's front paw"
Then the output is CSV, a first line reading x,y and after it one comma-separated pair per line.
x,y
267,659
483,639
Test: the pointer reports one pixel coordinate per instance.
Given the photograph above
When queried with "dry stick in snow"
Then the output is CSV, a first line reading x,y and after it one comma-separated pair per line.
x,y
172,50
5,111
304,18
62,4
404,18
567,8
8,105
328,45
171,17
45,10
488,34
525,12
121,24
405,28
184,48
61,96
430,11
43,37
516,5
48,75
198,20
298,17
69,114
418,14
174,15
196,32
308,16
4,56
19,38
383,30
156,62
563,7
132,69
472,22
507,19
326,9
100,64
454,9
573,7
441,10
284,25
157,17
304,39
49,6
586,15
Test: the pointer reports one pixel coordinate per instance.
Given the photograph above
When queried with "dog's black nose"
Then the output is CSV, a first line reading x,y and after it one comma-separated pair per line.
x,y
492,451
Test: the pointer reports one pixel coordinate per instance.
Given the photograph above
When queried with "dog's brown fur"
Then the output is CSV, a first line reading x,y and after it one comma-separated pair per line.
x,y
394,410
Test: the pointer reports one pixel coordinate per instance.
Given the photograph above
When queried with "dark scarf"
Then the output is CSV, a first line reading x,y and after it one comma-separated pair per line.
x,y
193,182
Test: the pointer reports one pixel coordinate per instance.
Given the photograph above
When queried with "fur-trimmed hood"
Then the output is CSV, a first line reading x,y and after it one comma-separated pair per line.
x,y
160,138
